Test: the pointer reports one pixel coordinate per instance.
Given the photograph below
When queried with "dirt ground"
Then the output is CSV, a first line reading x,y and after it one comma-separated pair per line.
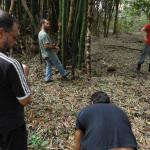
x,y
51,116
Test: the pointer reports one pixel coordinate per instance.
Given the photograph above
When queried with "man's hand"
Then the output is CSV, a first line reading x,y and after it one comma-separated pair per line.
x,y
25,101
56,47
48,45
144,34
53,46
26,70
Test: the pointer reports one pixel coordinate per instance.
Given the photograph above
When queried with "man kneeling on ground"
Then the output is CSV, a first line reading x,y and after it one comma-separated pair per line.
x,y
103,126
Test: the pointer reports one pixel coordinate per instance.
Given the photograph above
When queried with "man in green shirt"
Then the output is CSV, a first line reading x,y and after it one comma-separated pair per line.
x,y
49,52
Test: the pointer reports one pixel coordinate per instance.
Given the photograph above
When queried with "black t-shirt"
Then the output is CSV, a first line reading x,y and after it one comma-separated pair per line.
x,y
13,88
105,126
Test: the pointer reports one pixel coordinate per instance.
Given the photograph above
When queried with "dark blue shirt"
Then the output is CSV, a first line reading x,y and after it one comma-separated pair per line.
x,y
105,126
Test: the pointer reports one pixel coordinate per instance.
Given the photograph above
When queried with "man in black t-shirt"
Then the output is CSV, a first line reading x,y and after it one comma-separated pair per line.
x,y
14,90
103,126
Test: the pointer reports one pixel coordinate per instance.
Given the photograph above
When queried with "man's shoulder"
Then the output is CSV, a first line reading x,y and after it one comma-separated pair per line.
x,y
42,33
147,25
102,106
9,61
5,59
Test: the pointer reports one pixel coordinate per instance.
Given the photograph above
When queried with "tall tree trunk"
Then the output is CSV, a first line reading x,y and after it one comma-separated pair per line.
x,y
116,17
88,38
24,4
70,20
110,13
60,24
105,24
63,35
82,36
76,34
98,2
108,7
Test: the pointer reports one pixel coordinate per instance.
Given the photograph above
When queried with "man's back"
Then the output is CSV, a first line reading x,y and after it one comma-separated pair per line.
x,y
105,126
44,38
147,30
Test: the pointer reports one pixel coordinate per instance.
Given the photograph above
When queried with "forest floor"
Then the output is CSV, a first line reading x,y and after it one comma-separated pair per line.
x,y
51,116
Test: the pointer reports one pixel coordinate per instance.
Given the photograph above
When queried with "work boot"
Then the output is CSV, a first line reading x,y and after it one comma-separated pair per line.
x,y
138,67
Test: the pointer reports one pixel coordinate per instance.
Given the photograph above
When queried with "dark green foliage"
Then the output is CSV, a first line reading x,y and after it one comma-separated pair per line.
x,y
142,6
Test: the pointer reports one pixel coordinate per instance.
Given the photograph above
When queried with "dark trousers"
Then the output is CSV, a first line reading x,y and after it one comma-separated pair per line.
x,y
14,140
144,54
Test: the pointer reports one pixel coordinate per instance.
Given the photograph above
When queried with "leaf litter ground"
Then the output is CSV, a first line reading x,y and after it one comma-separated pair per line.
x,y
51,116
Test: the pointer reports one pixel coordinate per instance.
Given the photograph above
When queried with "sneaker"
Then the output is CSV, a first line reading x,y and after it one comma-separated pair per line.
x,y
65,76
50,80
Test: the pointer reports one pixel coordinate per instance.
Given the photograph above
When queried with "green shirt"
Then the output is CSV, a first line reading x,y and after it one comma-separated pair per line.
x,y
44,38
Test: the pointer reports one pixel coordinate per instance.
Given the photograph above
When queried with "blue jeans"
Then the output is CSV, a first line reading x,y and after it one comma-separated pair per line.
x,y
53,60
145,52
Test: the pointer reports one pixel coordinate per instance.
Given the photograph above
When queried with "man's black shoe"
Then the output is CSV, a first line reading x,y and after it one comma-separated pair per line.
x,y
138,67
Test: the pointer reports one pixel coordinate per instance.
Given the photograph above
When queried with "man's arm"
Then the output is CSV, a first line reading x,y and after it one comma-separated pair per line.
x,y
25,101
144,34
53,46
47,42
18,83
78,136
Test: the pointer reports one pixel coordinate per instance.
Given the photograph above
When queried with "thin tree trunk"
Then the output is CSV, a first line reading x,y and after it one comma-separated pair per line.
x,y
82,36
88,39
110,13
60,24
63,35
24,4
104,5
76,34
115,30
70,20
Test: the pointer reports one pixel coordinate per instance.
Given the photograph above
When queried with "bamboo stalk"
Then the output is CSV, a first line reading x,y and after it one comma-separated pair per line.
x,y
24,4
88,38
76,34
82,36
70,20
63,37
60,24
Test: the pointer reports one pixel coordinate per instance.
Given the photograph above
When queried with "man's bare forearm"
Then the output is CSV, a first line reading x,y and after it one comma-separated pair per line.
x,y
50,45
144,34
78,136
